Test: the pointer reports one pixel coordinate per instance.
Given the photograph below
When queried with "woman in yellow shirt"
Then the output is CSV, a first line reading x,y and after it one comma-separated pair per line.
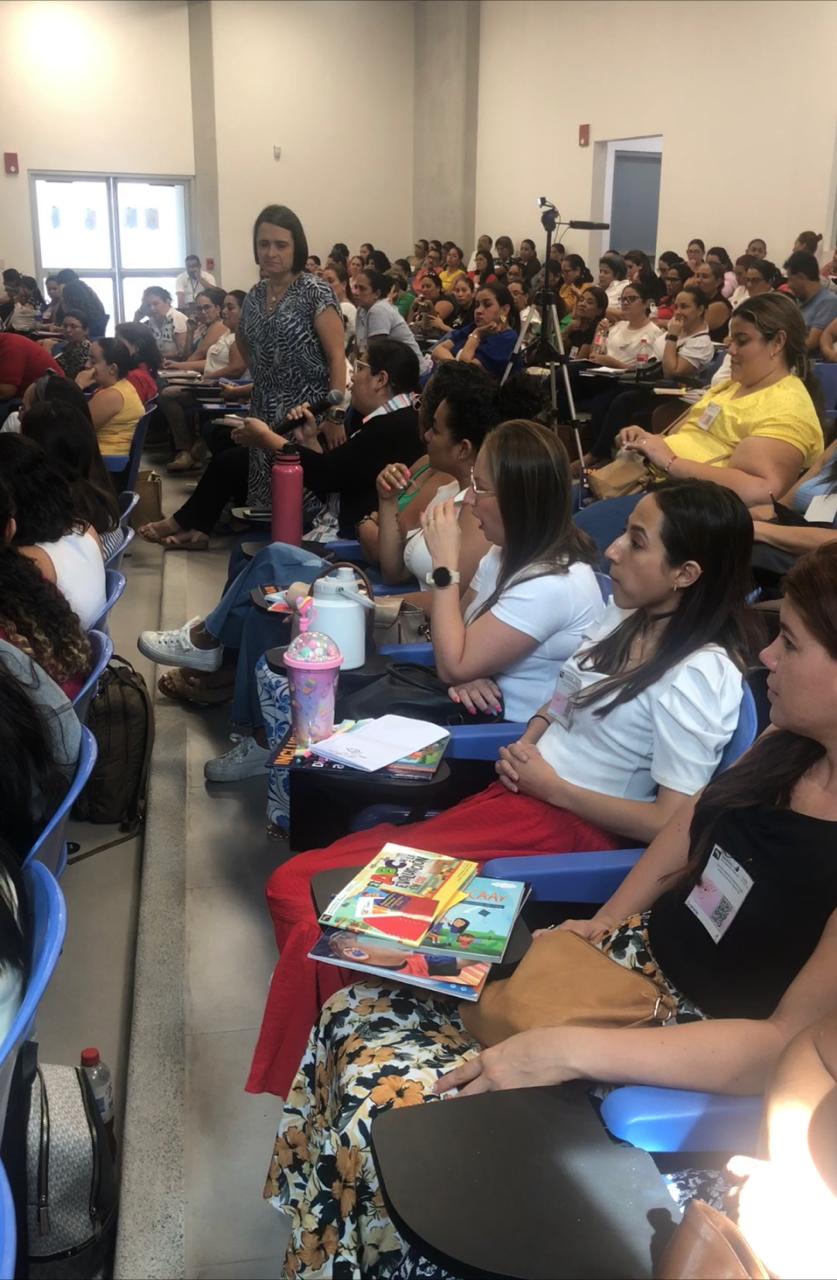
x,y
454,267
115,407
755,434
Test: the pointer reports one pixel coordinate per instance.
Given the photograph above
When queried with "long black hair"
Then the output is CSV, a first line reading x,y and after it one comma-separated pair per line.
x,y
42,499
34,615
704,522
72,447
140,336
14,912
504,299
770,770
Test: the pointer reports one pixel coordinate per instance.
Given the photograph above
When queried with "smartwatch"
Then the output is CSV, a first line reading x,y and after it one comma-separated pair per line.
x,y
442,577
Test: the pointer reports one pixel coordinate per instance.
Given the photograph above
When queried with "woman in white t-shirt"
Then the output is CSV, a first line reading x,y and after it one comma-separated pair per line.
x,y
637,723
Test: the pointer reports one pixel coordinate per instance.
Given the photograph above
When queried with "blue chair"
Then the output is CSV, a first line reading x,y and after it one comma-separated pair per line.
x,y
50,848
8,1229
127,500
114,560
114,586
605,584
129,463
49,927
826,374
102,646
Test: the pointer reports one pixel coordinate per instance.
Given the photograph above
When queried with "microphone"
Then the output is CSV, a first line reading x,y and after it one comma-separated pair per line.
x,y
581,224
316,407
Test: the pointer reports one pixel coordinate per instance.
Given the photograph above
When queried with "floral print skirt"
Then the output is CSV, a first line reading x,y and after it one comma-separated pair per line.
x,y
377,1045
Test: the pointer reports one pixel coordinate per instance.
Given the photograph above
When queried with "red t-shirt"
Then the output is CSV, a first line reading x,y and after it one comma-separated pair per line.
x,y
143,383
22,362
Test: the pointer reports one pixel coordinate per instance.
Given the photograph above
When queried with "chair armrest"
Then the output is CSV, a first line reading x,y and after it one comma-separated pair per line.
x,y
680,1120
568,877
481,741
421,651
346,549
115,461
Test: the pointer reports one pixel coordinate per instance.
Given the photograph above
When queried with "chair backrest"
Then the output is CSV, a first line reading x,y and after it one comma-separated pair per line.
x,y
605,584
127,500
48,927
745,731
8,1229
102,647
114,586
135,452
49,848
826,374
114,560
708,372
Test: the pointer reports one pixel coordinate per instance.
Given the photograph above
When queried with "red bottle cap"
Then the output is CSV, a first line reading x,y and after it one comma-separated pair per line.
x,y
90,1058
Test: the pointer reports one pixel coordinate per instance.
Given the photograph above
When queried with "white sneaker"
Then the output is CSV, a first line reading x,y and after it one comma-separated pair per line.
x,y
175,649
245,760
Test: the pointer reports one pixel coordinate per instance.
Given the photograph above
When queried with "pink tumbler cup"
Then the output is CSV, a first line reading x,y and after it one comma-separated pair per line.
x,y
312,661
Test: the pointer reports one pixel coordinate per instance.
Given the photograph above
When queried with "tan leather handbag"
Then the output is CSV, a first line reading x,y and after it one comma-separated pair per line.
x,y
150,505
626,474
563,980
707,1243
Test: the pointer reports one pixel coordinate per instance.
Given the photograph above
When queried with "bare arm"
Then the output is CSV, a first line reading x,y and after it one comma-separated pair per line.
x,y
329,330
233,369
828,342
7,390
795,538
104,405
757,468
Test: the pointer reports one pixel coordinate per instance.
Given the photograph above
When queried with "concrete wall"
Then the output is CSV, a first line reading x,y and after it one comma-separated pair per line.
x,y
94,88
447,42
332,84
747,113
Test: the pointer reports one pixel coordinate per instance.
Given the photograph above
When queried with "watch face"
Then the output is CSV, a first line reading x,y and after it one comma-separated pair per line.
x,y
442,577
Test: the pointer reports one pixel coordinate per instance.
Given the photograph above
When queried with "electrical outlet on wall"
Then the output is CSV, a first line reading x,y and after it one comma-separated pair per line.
x,y
277,153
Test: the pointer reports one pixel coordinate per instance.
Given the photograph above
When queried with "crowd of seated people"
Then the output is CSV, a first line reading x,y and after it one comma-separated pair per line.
x,y
627,704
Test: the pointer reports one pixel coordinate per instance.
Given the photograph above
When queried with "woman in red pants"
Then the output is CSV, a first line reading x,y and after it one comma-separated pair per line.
x,y
638,721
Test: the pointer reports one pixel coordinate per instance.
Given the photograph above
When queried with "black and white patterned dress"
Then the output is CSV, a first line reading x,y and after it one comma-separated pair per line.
x,y
287,361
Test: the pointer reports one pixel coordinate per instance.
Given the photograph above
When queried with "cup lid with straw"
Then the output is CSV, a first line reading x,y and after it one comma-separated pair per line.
x,y
312,648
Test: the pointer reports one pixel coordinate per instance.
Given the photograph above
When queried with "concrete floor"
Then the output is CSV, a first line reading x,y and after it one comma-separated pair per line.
x,y
227,1229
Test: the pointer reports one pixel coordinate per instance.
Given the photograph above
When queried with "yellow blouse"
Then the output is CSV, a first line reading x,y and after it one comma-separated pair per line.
x,y
115,436
447,278
718,423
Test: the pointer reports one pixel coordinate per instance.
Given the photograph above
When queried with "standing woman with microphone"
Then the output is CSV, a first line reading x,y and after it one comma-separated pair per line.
x,y
291,337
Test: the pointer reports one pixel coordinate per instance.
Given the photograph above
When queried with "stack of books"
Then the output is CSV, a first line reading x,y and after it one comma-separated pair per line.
x,y
421,918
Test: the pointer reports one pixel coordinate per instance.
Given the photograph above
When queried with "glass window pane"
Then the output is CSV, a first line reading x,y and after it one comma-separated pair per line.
x,y
103,287
152,224
73,223
133,288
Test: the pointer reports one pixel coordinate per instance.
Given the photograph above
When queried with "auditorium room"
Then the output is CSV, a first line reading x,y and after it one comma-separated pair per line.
x,y
418,640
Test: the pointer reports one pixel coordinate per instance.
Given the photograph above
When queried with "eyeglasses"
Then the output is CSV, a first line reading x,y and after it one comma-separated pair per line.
x,y
206,307
362,364
478,493
628,298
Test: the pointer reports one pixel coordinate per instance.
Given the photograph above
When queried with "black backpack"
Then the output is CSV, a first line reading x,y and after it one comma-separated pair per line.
x,y
121,718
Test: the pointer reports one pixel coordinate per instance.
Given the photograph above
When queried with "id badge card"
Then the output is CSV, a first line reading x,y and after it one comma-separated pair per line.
x,y
822,509
708,416
717,897
561,706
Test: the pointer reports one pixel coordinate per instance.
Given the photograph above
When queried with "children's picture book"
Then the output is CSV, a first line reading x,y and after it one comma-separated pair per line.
x,y
480,925
417,767
378,742
446,975
399,894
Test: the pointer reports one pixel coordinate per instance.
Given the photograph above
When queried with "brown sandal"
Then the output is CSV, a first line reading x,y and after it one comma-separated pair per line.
x,y
184,686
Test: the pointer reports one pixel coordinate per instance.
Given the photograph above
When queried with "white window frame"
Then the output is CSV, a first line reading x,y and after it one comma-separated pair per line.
x,y
116,273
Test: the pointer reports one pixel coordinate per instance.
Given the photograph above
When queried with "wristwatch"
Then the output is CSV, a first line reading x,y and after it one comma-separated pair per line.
x,y
671,337
442,577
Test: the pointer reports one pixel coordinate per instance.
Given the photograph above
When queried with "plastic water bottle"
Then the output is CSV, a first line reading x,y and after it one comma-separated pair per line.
x,y
643,357
101,1082
600,340
286,499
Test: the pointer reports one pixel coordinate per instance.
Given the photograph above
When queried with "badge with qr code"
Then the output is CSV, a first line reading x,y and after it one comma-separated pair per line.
x,y
717,897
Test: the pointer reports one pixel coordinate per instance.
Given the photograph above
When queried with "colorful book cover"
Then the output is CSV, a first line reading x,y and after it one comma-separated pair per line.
x,y
416,767
446,975
399,893
480,924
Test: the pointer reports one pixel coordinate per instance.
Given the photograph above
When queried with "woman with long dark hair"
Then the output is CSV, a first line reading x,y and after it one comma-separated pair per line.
x,y
69,442
637,723
490,339
48,531
731,914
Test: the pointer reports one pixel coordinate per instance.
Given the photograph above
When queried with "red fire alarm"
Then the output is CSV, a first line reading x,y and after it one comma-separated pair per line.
x,y
10,163
210,264
584,135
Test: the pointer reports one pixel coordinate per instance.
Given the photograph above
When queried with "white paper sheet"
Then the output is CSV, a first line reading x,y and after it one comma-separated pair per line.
x,y
379,742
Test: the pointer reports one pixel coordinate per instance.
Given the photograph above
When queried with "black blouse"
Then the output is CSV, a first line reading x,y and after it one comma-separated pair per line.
x,y
792,860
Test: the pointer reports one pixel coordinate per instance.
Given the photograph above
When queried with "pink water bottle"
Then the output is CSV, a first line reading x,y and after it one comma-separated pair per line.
x,y
312,661
286,499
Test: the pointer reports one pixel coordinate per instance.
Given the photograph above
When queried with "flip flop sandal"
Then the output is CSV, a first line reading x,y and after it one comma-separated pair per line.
x,y
199,544
180,688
